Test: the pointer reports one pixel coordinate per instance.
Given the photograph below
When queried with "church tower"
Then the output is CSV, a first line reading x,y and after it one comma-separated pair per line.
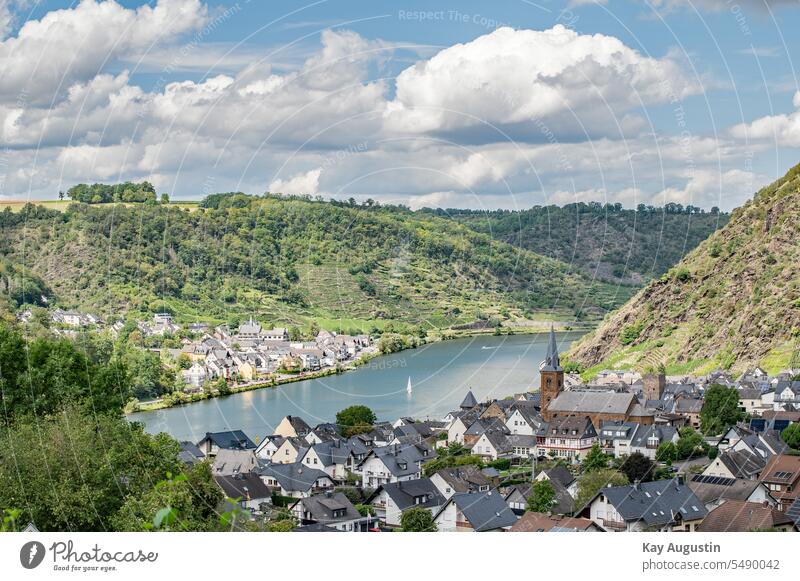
x,y
551,375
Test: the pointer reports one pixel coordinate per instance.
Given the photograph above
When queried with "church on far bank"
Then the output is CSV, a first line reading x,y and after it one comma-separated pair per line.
x,y
599,405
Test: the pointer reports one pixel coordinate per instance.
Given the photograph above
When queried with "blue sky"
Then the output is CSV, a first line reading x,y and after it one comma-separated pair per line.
x,y
468,104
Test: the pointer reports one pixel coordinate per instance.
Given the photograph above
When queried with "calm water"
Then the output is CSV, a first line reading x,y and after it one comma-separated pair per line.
x,y
440,374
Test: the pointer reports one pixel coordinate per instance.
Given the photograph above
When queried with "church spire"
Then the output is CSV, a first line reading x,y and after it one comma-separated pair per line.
x,y
551,361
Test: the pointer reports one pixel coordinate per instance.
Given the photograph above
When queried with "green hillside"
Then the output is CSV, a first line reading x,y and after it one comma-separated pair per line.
x,y
602,241
733,302
292,261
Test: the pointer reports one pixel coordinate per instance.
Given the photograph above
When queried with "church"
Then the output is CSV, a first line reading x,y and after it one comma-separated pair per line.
x,y
599,405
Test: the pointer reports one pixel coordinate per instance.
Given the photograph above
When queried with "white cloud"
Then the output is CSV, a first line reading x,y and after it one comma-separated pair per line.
x,y
783,130
304,183
565,79
72,45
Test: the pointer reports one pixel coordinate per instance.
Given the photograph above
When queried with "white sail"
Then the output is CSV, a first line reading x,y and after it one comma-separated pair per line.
x,y
409,389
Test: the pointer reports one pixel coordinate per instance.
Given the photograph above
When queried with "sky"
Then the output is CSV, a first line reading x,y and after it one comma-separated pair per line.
x,y
503,104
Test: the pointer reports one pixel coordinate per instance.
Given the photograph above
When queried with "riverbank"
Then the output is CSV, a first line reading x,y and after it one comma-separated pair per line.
x,y
183,398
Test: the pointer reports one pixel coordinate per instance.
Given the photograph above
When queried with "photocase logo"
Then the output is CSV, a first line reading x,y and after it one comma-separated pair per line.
x,y
31,554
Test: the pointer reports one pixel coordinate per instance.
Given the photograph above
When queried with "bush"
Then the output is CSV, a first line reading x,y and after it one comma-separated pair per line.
x,y
501,464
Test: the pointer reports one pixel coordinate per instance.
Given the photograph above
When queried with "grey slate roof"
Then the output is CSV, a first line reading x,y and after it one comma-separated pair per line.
x,y
643,433
246,486
228,462
794,512
402,460
710,489
592,401
190,454
741,463
464,478
328,508
232,440
292,477
655,503
551,360
469,401
485,511
411,493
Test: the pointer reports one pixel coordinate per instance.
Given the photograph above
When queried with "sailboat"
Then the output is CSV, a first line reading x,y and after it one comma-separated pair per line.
x,y
409,389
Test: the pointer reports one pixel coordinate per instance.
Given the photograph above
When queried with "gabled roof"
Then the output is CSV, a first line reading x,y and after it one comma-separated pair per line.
x,y
228,462
740,516
656,503
190,453
245,486
538,522
464,478
232,440
408,494
710,489
485,511
328,508
292,477
560,474
644,433
401,460
742,463
592,401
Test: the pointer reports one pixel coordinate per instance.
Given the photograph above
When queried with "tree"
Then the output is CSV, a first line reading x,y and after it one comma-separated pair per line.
x,y
79,468
667,452
355,419
165,198
543,496
791,435
184,502
690,443
590,483
639,467
595,459
417,520
720,409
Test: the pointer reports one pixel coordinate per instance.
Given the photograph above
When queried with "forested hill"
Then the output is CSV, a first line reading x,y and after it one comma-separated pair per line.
x,y
286,260
605,241
732,302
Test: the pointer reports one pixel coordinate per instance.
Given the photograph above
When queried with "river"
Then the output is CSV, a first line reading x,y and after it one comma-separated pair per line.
x,y
441,373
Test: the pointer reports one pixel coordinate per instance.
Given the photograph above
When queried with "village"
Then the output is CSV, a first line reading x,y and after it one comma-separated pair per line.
x,y
222,359
624,453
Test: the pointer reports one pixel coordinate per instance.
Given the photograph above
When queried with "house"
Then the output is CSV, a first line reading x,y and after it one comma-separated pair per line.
x,y
468,478
494,444
249,488
690,408
268,446
196,376
615,437
517,497
231,440
230,462
393,464
647,439
331,509
190,454
390,500
337,458
294,480
289,451
523,420
560,476
539,522
292,427
661,505
750,401
715,490
568,437
476,511
742,516
736,464
782,476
